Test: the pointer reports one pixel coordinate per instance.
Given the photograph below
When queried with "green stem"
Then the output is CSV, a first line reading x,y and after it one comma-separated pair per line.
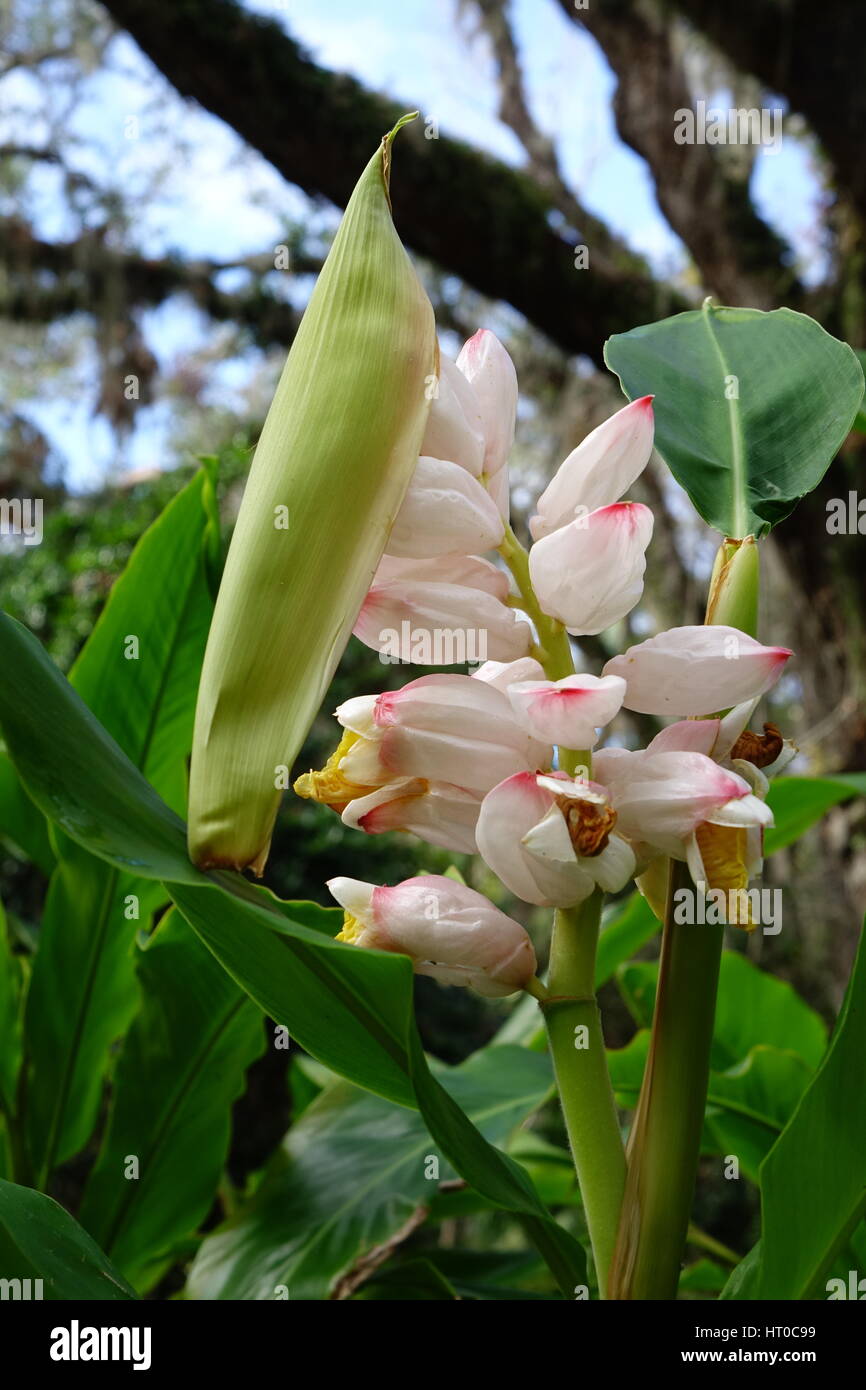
x,y
704,1241
554,649
665,1138
664,1143
580,1064
570,1009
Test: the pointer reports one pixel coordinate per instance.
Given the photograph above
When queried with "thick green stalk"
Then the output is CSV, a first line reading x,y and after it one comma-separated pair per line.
x,y
577,1047
570,1009
553,650
664,1144
665,1137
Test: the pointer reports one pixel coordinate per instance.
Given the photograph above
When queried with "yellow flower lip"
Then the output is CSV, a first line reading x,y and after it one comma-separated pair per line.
x,y
329,786
351,930
724,851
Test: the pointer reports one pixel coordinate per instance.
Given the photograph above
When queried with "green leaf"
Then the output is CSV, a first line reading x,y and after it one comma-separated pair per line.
x,y
137,673
21,824
349,1177
743,1281
40,1240
813,1182
703,1277
753,1009
352,1009
485,1275
750,407
182,1066
799,802
11,996
766,1043
630,926
412,1281
139,669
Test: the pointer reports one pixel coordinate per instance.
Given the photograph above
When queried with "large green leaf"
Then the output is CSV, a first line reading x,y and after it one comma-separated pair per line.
x,y
40,1240
747,1106
137,674
753,1009
351,1173
21,823
813,1182
750,407
766,1043
181,1068
11,994
351,1009
630,925
798,803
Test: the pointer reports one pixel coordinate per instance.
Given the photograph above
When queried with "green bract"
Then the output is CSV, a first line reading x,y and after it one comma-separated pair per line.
x,y
335,457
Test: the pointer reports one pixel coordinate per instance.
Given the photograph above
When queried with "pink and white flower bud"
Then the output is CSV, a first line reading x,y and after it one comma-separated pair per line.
x,y
486,364
503,674
448,930
599,470
696,670
438,813
567,712
441,613
589,574
455,429
550,839
443,728
445,511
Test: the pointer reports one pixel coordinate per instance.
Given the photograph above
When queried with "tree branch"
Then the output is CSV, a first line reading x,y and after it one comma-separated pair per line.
x,y
87,276
815,57
740,258
487,223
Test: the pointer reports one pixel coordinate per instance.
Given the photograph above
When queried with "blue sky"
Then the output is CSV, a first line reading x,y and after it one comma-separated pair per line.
x,y
220,201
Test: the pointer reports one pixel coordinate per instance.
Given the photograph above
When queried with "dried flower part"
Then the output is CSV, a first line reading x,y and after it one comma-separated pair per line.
x,y
589,825
759,749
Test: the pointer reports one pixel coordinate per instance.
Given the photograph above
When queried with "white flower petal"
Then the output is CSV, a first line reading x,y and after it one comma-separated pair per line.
x,y
455,429
486,364
589,574
445,511
696,670
567,712
503,674
599,470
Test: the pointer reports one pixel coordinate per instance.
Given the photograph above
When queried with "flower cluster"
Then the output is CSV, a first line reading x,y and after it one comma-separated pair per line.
x,y
497,762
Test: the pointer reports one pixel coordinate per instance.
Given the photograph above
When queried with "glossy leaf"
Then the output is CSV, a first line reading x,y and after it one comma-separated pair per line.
x,y
182,1066
747,1106
137,674
753,1009
349,1177
798,803
813,1182
11,995
750,407
40,1240
21,824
